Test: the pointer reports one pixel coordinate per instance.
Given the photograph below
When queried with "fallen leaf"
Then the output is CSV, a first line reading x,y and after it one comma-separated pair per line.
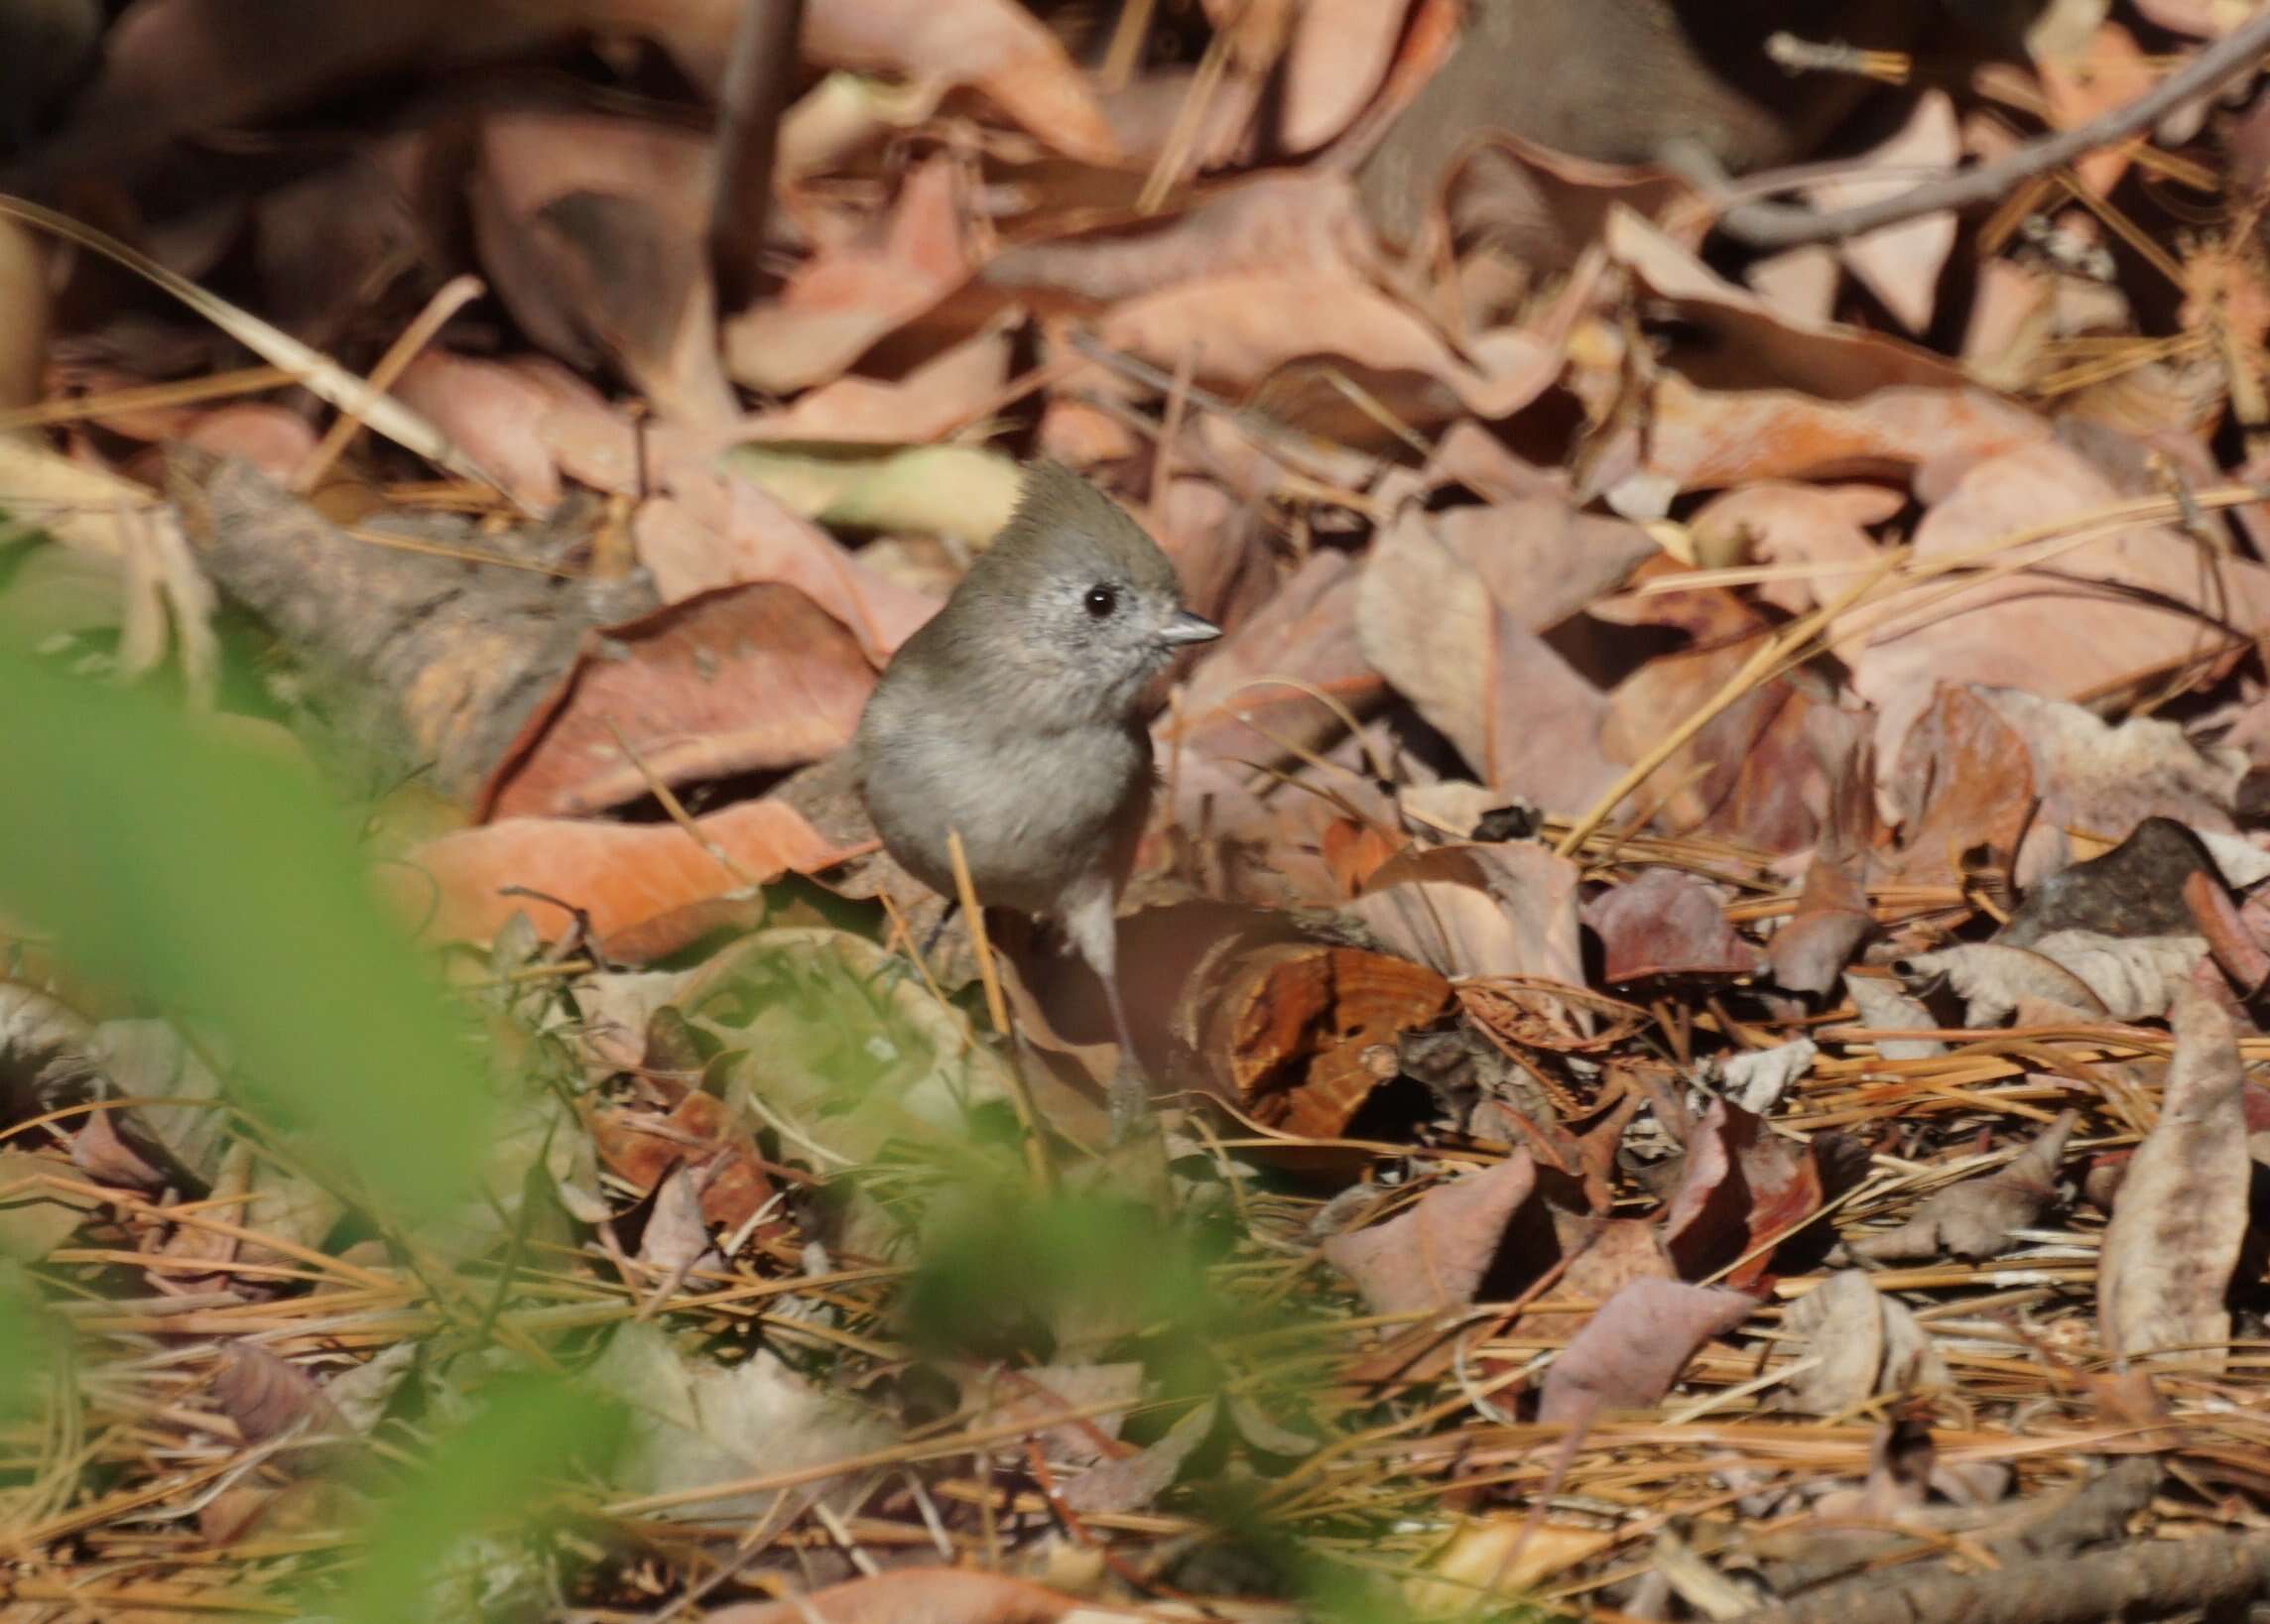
x,y
2119,978
2174,1239
1435,1255
1524,721
1868,1345
1630,1352
1132,1483
696,1424
744,679
1667,921
851,294
1479,911
1900,264
619,874
1973,1218
1336,58
2100,612
1741,1186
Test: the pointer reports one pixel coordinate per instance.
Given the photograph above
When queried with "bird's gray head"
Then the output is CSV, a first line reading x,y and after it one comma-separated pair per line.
x,y
1074,593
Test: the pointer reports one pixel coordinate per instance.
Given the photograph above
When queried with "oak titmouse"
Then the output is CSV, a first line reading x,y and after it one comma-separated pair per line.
x,y
1014,715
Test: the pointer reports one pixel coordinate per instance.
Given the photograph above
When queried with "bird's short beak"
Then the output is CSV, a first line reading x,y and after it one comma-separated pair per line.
x,y
1186,627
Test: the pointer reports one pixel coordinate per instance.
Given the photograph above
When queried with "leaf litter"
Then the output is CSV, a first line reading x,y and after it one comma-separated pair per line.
x,y
1702,933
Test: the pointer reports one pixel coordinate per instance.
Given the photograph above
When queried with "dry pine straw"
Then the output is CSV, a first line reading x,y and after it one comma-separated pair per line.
x,y
2016,1331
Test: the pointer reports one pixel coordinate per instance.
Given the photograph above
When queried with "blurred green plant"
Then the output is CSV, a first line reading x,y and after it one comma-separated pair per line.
x,y
220,884
451,1541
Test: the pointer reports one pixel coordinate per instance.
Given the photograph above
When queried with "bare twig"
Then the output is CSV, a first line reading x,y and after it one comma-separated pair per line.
x,y
1776,225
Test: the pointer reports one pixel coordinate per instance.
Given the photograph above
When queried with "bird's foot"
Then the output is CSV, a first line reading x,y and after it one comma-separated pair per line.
x,y
1129,1096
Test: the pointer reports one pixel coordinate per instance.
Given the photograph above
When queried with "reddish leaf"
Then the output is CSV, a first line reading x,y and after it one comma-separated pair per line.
x,y
1667,923
740,680
619,874
1435,1255
1631,1351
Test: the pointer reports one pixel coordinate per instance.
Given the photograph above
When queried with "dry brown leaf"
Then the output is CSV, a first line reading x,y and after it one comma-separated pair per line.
x,y
2176,1230
1631,1351
1667,921
2103,781
1480,910
745,678
1774,522
2100,613
1742,1185
1965,784
1868,1345
1973,1218
993,45
1242,326
1900,264
712,529
851,294
496,411
619,874
1435,1255
593,231
1304,633
1525,721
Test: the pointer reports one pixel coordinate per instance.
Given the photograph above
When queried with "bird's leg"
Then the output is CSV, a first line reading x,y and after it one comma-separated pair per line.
x,y
1089,920
1130,1092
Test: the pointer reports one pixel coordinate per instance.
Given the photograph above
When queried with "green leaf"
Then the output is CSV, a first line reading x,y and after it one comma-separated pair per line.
x,y
481,1481
218,882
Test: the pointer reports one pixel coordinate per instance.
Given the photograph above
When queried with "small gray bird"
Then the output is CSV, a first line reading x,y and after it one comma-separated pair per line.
x,y
1014,717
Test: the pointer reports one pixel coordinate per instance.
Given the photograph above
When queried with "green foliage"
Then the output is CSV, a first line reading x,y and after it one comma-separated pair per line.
x,y
27,1346
442,1545
217,882
1013,1273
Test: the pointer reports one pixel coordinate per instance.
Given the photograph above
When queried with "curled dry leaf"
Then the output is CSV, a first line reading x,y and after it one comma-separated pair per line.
x,y
1973,1219
1631,1351
1667,921
2181,1217
1435,1255
619,874
1868,1345
1294,1031
1742,1185
744,679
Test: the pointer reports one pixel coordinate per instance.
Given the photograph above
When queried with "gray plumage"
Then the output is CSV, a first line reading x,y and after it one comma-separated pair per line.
x,y
1014,715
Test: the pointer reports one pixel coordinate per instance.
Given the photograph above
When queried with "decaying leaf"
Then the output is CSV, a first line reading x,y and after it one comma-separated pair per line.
x,y
1975,1218
2176,1227
1435,1255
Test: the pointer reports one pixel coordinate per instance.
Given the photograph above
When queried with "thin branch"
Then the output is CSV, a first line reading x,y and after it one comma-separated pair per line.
x,y
1778,225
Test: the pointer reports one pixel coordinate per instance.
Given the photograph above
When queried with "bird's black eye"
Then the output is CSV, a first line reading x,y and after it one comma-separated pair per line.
x,y
1102,600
